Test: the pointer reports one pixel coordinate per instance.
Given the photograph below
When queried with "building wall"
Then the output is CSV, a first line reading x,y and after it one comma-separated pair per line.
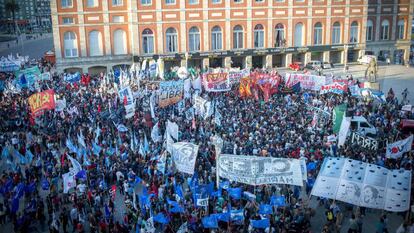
x,y
181,15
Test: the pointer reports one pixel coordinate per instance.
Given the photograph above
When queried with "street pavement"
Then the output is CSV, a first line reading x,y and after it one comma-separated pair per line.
x,y
34,48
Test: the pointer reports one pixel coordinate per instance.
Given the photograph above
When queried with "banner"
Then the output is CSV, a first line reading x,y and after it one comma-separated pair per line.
x,y
310,82
9,66
236,75
60,105
170,92
363,141
129,105
72,78
363,184
41,101
44,76
337,117
343,131
396,149
68,181
336,88
184,155
254,170
216,82
172,129
200,106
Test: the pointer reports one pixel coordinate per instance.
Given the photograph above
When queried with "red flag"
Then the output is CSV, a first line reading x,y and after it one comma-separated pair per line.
x,y
125,100
113,192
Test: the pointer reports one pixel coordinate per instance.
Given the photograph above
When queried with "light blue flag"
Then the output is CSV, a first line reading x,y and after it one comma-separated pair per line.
x,y
5,152
22,159
86,161
141,150
72,148
146,145
29,156
96,149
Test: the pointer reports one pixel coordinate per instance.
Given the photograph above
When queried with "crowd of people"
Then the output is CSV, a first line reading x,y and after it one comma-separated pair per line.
x,y
123,189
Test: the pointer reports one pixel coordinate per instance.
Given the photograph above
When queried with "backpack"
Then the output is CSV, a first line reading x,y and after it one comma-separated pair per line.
x,y
329,215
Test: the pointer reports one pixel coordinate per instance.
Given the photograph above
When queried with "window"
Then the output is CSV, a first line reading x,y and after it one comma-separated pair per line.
x,y
170,2
191,2
259,0
120,42
67,20
298,35
92,3
117,3
146,2
401,26
259,36
148,41
95,43
354,32
336,33
216,38
385,30
280,0
317,34
238,37
171,36
370,30
238,1
280,35
66,3
118,19
70,44
194,39
216,1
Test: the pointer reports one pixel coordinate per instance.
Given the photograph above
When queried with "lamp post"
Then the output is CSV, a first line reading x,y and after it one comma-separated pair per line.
x,y
218,145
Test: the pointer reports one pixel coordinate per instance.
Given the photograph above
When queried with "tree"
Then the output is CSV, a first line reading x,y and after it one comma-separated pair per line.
x,y
12,6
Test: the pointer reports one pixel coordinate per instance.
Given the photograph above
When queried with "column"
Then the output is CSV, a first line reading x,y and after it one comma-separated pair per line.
x,y
344,55
290,26
134,39
308,58
249,27
160,34
82,36
406,56
206,63
346,23
227,62
227,27
309,26
183,29
248,61
288,59
378,21
183,62
326,56
107,31
270,27
55,30
328,25
206,31
394,23
269,61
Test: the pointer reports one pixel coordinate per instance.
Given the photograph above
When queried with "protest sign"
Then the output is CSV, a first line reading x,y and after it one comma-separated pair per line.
x,y
184,155
41,101
170,92
396,149
309,82
200,106
260,170
126,94
72,78
336,88
216,82
363,184
236,75
364,141
7,65
68,181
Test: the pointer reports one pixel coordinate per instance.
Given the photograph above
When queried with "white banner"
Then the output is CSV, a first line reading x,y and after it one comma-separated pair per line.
x,y
309,82
155,133
343,131
364,142
68,181
130,105
363,184
202,202
172,129
184,155
200,105
396,149
260,170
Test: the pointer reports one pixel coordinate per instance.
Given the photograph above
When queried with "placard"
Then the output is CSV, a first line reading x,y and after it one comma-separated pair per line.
x,y
171,92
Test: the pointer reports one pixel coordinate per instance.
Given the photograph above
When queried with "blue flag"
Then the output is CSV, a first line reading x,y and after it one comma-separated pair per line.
x,y
107,212
45,184
296,87
235,193
96,149
31,187
265,209
179,191
224,185
279,201
15,205
311,166
72,148
160,218
81,175
224,217
264,223
237,216
29,155
216,193
19,190
210,222
22,159
5,153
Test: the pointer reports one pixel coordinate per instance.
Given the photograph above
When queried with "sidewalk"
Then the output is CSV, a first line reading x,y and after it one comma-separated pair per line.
x,y
12,44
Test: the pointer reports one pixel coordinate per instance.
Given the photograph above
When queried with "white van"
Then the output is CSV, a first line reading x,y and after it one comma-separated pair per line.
x,y
366,59
313,65
362,126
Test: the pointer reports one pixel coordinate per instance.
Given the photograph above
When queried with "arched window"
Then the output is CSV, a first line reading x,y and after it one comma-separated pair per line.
x,y
298,35
258,36
401,29
216,38
120,42
385,30
280,35
95,43
237,37
70,44
317,34
194,39
336,33
148,41
171,40
370,30
353,38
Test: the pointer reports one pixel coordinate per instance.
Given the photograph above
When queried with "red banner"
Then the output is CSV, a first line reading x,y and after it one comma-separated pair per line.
x,y
42,101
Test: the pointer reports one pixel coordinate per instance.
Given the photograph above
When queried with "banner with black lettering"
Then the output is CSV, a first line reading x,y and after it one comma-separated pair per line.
x,y
184,155
254,170
364,141
170,93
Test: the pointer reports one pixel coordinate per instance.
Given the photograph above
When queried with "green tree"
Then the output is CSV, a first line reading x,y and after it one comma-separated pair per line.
x,y
12,6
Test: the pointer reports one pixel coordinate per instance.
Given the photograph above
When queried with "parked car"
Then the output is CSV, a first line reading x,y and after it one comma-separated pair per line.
x,y
296,66
313,65
362,126
327,65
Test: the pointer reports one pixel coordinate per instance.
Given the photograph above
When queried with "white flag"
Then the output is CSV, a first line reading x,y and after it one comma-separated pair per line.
x,y
202,202
68,181
184,155
343,131
396,149
76,166
155,133
81,140
172,129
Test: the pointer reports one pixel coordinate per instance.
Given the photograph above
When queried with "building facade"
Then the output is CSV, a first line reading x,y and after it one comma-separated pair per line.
x,y
227,33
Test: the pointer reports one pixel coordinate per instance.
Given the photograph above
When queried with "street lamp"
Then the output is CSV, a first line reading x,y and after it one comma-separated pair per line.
x,y
218,145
